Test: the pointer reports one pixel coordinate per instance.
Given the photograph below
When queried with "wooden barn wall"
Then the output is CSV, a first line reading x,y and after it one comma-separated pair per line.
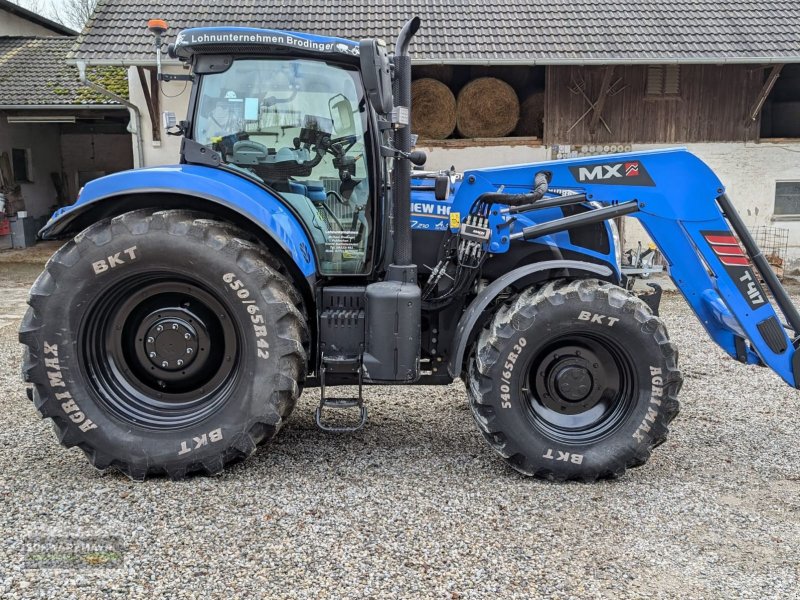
x,y
712,105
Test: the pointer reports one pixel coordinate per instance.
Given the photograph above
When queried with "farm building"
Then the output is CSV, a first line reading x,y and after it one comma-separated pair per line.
x,y
55,133
519,80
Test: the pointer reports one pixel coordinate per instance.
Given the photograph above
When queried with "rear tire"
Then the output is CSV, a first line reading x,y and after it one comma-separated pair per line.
x,y
164,343
574,380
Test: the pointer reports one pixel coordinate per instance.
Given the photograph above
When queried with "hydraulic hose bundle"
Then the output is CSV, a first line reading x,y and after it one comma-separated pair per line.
x,y
464,253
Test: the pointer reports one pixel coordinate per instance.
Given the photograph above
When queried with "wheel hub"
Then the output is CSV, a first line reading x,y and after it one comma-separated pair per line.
x,y
574,383
171,343
570,380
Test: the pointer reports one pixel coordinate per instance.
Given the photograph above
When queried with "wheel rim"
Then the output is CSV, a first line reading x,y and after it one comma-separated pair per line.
x,y
162,351
580,387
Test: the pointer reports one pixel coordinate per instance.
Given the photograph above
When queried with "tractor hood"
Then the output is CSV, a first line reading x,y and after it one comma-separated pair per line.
x,y
248,40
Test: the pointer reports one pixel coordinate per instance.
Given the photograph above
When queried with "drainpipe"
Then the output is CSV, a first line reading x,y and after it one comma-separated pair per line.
x,y
135,125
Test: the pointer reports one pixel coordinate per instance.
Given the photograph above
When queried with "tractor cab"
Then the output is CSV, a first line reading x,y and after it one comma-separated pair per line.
x,y
290,112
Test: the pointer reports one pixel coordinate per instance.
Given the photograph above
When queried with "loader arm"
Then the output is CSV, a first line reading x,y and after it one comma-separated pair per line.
x,y
712,257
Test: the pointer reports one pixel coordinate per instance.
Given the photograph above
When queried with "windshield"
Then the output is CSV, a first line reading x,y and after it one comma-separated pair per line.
x,y
299,126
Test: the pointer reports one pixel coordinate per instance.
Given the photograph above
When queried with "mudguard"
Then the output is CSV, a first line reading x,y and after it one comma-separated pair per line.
x,y
470,318
217,186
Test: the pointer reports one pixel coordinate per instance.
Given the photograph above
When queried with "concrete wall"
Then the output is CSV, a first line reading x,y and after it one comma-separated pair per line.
x,y
45,156
17,26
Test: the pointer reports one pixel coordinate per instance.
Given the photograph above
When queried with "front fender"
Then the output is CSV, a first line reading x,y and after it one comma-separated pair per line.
x,y
470,317
233,192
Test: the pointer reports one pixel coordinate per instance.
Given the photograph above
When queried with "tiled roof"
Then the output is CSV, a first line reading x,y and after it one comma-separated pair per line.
x,y
33,72
531,31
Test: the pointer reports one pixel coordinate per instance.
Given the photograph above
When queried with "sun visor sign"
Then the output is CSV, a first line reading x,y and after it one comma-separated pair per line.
x,y
629,172
737,265
243,36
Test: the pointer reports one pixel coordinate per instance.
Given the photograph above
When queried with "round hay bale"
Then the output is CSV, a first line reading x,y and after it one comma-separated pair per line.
x,y
531,116
433,109
443,73
487,107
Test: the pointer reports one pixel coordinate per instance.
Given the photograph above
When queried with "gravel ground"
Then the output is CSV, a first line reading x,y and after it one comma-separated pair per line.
x,y
417,505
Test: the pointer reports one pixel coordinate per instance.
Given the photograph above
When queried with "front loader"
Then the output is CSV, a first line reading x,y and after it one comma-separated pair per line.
x,y
293,246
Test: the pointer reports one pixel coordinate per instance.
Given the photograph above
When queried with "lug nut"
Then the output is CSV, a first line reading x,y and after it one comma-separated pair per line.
x,y
150,340
189,351
174,325
152,355
187,336
164,364
160,328
180,362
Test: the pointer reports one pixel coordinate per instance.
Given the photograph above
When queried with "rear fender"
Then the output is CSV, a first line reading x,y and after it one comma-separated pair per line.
x,y
473,316
195,187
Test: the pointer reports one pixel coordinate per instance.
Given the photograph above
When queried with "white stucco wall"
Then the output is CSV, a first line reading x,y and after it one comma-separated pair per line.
x,y
42,140
18,26
749,172
174,96
477,157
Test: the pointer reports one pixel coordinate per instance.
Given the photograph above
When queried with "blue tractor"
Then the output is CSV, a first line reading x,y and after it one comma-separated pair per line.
x,y
294,246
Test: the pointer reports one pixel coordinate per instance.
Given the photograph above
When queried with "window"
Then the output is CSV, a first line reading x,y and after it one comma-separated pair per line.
x,y
663,81
300,126
20,160
787,199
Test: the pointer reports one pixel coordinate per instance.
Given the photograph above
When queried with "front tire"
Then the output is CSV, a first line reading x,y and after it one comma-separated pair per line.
x,y
574,380
164,343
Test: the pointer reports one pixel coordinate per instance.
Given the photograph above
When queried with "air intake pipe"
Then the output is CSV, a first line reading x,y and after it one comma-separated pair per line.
x,y
401,185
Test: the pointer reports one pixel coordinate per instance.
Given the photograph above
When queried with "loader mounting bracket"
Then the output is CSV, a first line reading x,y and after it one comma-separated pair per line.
x,y
652,298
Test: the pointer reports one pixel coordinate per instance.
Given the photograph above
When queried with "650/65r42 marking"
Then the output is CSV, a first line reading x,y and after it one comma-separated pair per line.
x,y
253,310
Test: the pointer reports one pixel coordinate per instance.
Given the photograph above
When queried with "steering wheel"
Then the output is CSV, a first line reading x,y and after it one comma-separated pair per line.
x,y
335,148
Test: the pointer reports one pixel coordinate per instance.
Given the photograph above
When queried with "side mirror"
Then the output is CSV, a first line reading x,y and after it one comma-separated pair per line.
x,y
341,112
441,190
376,72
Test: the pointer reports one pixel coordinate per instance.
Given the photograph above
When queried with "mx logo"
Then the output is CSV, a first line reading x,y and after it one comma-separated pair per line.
x,y
615,173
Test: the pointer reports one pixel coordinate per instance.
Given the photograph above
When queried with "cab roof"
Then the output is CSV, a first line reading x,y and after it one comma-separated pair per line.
x,y
250,40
